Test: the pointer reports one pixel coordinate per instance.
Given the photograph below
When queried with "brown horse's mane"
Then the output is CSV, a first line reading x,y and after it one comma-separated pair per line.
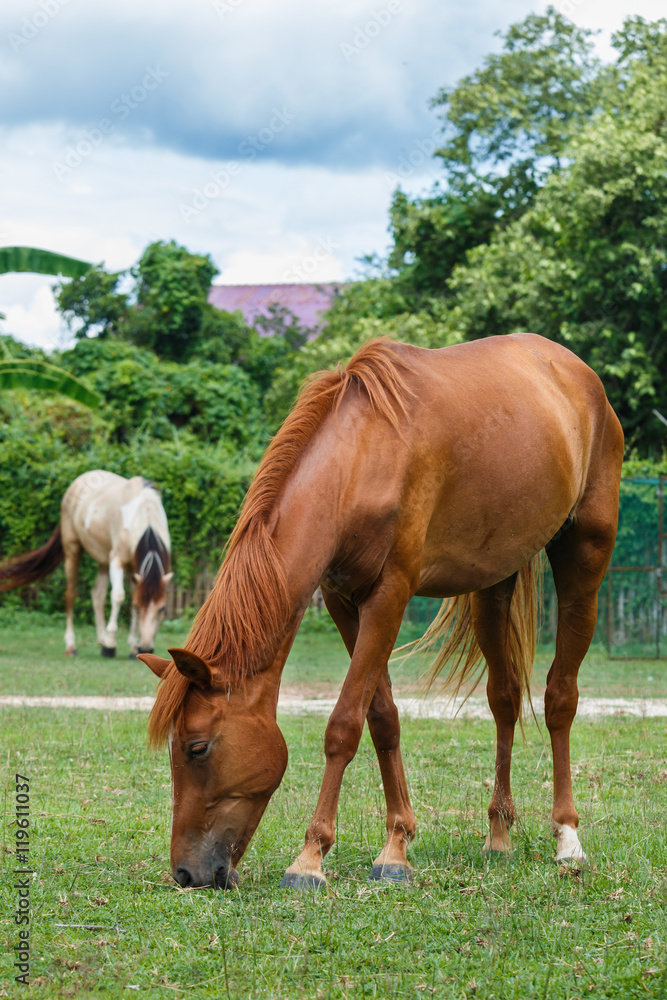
x,y
249,601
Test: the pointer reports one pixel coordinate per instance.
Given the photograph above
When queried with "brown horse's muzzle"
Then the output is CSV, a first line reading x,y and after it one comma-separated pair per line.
x,y
216,873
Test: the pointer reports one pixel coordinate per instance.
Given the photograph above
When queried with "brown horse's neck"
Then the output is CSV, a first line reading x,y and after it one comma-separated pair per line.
x,y
286,534
305,552
260,691
247,625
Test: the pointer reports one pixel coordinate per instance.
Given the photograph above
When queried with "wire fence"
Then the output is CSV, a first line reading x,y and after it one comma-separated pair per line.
x,y
632,606
632,610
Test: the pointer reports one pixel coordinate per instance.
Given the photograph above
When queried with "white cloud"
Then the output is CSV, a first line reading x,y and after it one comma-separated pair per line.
x,y
222,78
119,199
28,304
607,16
313,262
324,177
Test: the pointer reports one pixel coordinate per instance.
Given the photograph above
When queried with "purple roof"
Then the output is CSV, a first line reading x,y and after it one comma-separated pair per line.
x,y
307,302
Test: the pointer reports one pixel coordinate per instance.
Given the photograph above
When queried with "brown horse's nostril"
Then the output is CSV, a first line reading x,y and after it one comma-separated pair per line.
x,y
225,877
184,878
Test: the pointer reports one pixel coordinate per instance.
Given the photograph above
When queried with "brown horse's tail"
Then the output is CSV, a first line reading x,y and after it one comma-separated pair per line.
x,y
31,567
451,633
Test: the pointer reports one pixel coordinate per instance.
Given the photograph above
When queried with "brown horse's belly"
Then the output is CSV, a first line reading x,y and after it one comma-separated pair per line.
x,y
449,580
460,557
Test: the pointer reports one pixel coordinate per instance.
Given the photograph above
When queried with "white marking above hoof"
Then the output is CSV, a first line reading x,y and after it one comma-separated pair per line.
x,y
568,847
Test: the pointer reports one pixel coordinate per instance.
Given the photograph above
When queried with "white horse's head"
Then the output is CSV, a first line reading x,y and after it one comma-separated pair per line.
x,y
152,575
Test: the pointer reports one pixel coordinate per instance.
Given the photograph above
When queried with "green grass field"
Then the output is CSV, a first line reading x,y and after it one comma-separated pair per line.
x,y
468,926
32,662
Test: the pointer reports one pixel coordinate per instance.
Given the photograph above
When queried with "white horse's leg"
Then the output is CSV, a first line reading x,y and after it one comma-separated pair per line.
x,y
72,558
133,637
117,597
99,596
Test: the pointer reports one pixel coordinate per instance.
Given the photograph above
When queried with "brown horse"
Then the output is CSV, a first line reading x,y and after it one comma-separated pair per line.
x,y
442,473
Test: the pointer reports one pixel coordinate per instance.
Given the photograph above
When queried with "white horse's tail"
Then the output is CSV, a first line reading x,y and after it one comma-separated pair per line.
x,y
33,566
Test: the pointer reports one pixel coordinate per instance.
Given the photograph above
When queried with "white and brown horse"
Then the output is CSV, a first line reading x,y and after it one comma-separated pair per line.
x,y
121,523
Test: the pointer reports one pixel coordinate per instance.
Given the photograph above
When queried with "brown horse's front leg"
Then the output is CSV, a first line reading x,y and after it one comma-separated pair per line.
x,y
383,723
392,862
380,619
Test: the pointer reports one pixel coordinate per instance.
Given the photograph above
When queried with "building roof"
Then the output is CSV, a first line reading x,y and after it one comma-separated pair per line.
x,y
307,302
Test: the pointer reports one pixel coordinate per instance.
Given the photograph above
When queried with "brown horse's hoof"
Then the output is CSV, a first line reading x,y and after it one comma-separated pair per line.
x,y
390,873
494,855
71,652
108,651
292,880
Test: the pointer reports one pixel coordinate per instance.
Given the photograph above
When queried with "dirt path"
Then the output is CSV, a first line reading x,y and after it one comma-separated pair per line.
x,y
295,704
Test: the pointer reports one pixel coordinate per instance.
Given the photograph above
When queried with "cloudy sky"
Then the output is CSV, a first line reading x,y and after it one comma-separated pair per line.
x,y
269,135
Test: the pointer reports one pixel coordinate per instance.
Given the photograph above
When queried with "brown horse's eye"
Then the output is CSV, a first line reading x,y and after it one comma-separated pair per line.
x,y
198,750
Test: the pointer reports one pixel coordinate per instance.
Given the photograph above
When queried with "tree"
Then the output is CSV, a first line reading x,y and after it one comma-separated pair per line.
x,y
552,215
93,300
431,235
525,103
505,127
171,299
587,264
226,338
280,321
167,310
147,396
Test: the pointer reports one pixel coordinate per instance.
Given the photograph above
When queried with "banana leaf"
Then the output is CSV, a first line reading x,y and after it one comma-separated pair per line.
x,y
40,262
25,374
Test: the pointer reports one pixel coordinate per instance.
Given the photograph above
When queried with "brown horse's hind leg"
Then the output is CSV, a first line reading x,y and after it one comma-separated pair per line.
x,y
579,560
380,620
490,612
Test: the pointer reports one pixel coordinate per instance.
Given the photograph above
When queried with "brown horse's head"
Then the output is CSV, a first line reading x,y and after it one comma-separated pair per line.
x,y
228,756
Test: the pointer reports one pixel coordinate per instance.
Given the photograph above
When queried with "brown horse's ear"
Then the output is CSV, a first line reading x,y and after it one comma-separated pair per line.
x,y
192,667
157,663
